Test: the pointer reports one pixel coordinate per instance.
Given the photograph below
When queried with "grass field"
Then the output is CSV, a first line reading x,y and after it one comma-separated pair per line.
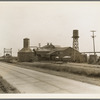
x,y
81,69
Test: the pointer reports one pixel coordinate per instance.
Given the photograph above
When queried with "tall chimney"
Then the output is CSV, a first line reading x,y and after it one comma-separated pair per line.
x,y
26,43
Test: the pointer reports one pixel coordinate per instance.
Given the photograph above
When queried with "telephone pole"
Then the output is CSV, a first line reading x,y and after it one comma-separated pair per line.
x,y
93,36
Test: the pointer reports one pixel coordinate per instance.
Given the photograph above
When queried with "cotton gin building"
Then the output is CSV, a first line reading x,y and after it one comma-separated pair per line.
x,y
25,54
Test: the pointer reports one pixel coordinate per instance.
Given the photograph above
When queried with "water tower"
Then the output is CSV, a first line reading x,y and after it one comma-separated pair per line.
x,y
75,40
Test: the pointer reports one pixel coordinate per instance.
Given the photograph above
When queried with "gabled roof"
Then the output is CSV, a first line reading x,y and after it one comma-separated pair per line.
x,y
62,48
51,52
58,49
43,49
49,46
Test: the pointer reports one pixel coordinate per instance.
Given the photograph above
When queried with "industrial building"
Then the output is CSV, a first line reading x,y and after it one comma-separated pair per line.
x,y
25,54
60,53
52,52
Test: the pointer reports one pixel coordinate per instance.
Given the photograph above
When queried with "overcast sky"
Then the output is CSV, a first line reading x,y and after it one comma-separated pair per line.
x,y
51,22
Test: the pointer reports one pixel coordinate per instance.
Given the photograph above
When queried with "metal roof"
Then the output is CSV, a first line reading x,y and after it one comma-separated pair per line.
x,y
58,49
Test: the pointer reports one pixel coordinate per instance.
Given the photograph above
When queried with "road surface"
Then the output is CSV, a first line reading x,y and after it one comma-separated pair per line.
x,y
29,81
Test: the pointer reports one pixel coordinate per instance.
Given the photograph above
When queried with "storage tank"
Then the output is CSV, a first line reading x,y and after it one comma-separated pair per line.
x,y
75,34
26,43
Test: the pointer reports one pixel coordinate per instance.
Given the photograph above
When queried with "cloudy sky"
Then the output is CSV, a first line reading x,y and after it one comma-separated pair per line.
x,y
51,22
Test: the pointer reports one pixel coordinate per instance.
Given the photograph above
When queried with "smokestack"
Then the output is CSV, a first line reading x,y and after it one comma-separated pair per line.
x,y
26,43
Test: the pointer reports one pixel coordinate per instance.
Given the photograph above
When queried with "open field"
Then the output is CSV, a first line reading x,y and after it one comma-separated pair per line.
x,y
76,68
83,78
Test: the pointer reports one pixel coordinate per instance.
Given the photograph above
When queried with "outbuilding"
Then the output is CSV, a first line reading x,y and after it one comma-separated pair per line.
x,y
25,54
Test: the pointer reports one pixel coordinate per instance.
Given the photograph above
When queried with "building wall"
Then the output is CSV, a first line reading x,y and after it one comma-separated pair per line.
x,y
74,54
92,59
25,56
83,58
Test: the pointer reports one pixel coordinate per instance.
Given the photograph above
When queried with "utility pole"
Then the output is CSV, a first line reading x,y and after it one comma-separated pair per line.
x,y
93,36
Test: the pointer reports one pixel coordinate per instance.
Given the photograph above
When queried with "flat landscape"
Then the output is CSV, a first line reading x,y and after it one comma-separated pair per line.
x,y
83,77
30,79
